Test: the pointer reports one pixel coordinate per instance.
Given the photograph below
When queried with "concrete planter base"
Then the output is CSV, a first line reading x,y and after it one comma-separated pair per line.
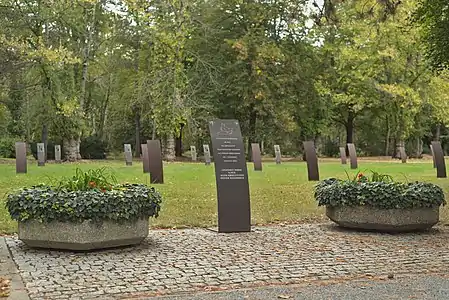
x,y
387,220
83,236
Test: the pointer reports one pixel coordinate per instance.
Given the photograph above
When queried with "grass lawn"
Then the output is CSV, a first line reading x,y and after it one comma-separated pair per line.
x,y
281,193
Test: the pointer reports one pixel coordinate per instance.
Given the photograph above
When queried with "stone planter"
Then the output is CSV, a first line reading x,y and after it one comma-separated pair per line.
x,y
87,235
387,220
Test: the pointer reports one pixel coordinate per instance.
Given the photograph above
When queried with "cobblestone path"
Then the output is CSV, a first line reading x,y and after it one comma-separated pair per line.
x,y
177,261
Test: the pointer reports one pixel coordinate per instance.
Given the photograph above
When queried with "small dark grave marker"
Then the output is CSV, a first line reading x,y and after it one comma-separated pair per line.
x,y
58,154
344,159
40,154
255,155
231,174
145,160
433,157
155,161
277,153
439,159
21,157
193,153
206,151
312,161
128,155
352,156
403,155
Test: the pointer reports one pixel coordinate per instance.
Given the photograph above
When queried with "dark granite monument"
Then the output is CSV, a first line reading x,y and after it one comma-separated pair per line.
x,y
402,154
206,151
352,156
231,174
277,153
312,161
155,161
439,159
58,154
128,155
193,153
21,157
145,160
40,154
344,159
256,156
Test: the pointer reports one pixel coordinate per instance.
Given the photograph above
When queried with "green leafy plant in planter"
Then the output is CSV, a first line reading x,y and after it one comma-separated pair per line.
x,y
379,203
379,191
93,195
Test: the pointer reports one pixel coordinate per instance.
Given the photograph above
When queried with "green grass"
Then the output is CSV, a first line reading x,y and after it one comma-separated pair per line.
x,y
281,193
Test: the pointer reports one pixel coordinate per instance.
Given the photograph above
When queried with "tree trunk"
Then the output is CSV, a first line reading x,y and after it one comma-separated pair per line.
x,y
438,132
71,149
252,130
103,112
419,146
350,128
153,133
397,152
45,139
170,148
137,133
387,138
178,148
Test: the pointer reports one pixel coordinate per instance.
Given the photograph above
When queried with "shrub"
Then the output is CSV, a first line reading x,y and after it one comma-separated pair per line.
x,y
385,195
79,202
93,147
7,147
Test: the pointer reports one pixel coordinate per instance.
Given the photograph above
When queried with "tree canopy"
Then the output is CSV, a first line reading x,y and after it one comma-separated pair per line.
x,y
95,74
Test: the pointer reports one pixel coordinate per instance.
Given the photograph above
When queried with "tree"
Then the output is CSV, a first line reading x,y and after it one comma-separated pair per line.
x,y
433,18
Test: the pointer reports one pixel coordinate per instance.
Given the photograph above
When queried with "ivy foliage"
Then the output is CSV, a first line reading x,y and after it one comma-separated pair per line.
x,y
86,196
385,195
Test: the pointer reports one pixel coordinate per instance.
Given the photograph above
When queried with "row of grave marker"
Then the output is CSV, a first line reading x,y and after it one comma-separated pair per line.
x,y
231,173
21,154
311,157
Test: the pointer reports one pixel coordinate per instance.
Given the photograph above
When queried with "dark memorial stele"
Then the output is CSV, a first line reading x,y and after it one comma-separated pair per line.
x,y
439,159
155,161
344,159
21,157
128,155
231,174
277,153
312,161
433,157
352,156
40,154
145,160
255,155
206,151
193,152
402,154
58,154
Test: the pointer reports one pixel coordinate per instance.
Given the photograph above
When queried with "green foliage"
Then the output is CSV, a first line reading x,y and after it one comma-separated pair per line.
x,y
375,177
431,16
43,203
7,147
380,194
94,179
93,147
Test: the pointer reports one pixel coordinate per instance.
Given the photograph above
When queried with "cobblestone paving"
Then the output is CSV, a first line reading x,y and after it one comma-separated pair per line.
x,y
177,261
